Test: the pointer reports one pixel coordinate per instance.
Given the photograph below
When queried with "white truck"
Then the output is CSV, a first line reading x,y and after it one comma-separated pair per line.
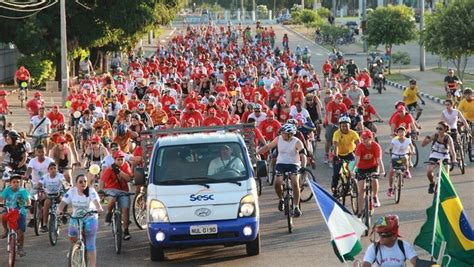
x,y
201,188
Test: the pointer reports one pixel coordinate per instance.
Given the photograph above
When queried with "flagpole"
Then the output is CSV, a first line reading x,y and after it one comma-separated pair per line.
x,y
324,218
441,166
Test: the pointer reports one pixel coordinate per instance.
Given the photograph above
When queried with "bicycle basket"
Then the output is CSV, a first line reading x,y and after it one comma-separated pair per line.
x,y
12,217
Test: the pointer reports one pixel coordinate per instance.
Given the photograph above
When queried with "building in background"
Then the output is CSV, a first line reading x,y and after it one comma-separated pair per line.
x,y
8,57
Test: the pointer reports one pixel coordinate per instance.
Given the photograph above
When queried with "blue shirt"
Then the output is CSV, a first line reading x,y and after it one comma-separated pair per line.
x,y
16,200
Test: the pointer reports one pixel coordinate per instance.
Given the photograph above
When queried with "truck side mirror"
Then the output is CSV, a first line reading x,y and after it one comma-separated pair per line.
x,y
261,169
139,176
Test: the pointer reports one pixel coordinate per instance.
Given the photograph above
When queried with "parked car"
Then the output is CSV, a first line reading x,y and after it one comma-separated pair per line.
x,y
284,19
353,26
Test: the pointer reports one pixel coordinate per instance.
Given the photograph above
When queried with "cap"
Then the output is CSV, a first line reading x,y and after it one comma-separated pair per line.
x,y
338,96
3,92
354,82
37,94
212,110
190,106
95,139
401,128
118,154
270,113
367,134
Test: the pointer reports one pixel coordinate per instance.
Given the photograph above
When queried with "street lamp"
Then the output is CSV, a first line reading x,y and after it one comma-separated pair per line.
x,y
64,73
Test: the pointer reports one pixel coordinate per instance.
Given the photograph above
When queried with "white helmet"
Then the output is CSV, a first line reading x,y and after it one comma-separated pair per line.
x,y
344,119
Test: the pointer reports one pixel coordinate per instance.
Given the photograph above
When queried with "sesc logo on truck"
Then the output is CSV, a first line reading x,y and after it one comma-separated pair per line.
x,y
195,197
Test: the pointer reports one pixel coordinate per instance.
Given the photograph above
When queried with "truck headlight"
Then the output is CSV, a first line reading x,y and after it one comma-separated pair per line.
x,y
157,212
247,206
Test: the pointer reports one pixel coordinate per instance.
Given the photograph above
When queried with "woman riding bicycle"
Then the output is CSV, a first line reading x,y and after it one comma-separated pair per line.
x,y
96,152
61,153
83,199
15,153
399,148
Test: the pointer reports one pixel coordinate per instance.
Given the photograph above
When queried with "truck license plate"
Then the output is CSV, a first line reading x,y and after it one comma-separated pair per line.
x,y
203,229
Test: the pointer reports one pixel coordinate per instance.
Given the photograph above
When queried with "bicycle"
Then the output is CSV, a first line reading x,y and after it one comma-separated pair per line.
x,y
40,139
23,87
139,209
459,144
12,236
368,201
467,142
398,178
414,155
77,252
116,224
347,186
305,188
54,222
38,199
288,200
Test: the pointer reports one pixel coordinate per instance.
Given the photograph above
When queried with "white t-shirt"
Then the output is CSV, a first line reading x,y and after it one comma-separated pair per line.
x,y
302,115
39,169
258,119
81,202
218,164
43,128
389,257
52,185
451,118
400,148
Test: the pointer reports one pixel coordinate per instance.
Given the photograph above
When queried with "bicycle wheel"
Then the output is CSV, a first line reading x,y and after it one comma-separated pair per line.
x,y
258,181
37,217
53,229
289,212
77,257
398,186
270,172
139,210
415,156
354,193
469,149
367,214
461,161
305,191
11,250
117,228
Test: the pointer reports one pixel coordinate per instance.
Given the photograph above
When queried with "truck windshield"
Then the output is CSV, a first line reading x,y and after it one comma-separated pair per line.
x,y
200,163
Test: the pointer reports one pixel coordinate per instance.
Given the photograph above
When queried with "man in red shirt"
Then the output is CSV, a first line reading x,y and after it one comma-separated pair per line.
x,y
368,111
3,103
402,119
270,126
248,90
368,161
55,117
34,104
364,81
23,75
115,181
192,113
334,109
212,120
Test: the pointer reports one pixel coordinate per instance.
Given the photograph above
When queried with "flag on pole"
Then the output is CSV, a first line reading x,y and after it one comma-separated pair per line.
x,y
344,227
447,216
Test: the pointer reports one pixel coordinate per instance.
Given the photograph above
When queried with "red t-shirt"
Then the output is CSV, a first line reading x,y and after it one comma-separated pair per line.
x,y
76,106
111,181
369,155
55,119
269,129
34,106
212,121
3,106
404,121
369,110
336,109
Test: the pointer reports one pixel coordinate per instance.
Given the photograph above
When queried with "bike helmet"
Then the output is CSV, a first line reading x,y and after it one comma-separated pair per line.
x,y
412,81
387,224
467,91
257,106
344,119
13,135
173,107
61,126
141,106
288,128
121,130
91,107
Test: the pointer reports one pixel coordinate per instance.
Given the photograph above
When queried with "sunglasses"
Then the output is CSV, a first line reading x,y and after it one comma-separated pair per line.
x,y
385,235
256,110
439,128
81,181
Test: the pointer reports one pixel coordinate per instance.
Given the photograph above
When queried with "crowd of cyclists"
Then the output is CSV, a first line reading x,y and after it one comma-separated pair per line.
x,y
209,76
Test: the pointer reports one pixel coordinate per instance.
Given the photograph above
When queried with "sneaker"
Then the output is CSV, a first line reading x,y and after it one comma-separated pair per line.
x,y
334,192
390,192
431,188
108,218
281,205
44,229
297,212
21,252
126,235
31,223
376,202
408,174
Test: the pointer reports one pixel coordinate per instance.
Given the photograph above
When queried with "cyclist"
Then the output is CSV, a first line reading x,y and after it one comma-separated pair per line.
x,y
344,141
4,110
389,250
34,104
410,96
291,155
334,109
23,75
442,149
368,160
85,123
61,132
400,148
466,106
270,126
357,121
15,197
96,152
368,111
53,183
56,117
313,106
451,84
402,118
115,180
83,198
15,152
452,116
355,94
39,128
61,153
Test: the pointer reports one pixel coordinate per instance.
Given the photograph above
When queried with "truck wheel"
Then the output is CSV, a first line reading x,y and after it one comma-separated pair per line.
x,y
157,253
253,247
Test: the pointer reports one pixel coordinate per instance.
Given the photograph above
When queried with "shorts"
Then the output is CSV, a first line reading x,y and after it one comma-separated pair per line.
x,y
21,221
91,224
86,134
397,163
361,174
281,168
413,105
330,132
435,160
124,201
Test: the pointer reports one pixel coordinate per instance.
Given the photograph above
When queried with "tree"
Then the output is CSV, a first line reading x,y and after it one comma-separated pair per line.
x,y
391,25
400,58
333,33
449,32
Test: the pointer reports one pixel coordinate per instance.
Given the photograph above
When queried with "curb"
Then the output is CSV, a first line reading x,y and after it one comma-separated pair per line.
x,y
425,95
306,38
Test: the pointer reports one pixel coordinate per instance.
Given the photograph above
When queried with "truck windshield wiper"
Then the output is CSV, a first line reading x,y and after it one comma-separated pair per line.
x,y
209,179
181,181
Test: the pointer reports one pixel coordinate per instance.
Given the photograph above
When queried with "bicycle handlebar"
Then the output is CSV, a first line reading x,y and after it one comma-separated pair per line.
x,y
79,217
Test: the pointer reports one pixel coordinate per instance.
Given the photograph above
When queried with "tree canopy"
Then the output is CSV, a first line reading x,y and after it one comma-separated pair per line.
x,y
449,32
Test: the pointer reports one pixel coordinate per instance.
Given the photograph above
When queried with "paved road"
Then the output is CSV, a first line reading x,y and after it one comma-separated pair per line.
x,y
309,245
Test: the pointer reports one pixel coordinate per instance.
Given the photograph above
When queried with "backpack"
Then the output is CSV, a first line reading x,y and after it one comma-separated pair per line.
x,y
400,246
445,140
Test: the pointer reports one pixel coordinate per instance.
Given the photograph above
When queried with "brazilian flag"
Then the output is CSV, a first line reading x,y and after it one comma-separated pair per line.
x,y
452,226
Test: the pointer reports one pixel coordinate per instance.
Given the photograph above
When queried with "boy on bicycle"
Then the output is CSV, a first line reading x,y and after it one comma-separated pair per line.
x,y
15,198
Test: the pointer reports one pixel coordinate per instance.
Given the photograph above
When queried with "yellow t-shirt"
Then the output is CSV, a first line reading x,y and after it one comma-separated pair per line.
x,y
409,95
467,109
346,142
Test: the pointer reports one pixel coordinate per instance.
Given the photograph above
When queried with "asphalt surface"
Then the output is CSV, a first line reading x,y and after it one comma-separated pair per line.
x,y
308,245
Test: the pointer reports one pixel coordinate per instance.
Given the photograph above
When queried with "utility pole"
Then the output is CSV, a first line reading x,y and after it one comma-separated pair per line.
x,y
422,27
302,4
364,22
334,11
64,74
